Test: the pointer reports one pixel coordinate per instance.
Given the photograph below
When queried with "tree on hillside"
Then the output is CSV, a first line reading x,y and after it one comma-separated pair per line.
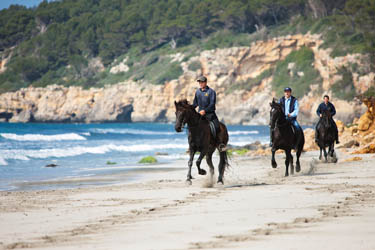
x,y
362,14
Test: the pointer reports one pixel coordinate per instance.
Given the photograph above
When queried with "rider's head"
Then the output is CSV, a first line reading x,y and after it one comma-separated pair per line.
x,y
202,82
326,99
287,92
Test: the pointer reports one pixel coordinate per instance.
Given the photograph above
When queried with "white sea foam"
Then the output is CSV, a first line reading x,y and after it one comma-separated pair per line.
x,y
3,162
251,132
130,131
79,150
40,137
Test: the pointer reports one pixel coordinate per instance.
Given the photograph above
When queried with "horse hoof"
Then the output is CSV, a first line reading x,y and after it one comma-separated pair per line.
x,y
286,175
220,182
298,169
202,172
274,165
188,183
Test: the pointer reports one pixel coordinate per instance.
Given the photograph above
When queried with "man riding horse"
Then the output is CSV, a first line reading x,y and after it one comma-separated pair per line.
x,y
290,108
205,100
326,105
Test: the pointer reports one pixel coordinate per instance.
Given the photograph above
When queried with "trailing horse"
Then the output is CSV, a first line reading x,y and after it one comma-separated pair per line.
x,y
326,136
201,140
284,138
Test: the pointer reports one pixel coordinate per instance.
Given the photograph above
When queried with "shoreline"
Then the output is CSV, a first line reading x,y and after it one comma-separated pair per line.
x,y
257,208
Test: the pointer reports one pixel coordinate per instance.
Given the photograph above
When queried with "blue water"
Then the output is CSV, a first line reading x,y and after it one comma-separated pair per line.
x,y
84,149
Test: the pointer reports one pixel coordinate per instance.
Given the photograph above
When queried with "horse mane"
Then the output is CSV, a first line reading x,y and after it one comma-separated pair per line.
x,y
275,104
184,103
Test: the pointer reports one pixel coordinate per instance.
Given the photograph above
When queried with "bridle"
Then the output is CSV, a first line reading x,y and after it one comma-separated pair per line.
x,y
275,122
183,122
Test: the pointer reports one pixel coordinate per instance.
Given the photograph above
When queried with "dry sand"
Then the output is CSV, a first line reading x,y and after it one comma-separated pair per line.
x,y
326,206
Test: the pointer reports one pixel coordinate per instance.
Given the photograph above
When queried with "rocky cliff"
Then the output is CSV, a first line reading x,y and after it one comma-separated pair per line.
x,y
141,101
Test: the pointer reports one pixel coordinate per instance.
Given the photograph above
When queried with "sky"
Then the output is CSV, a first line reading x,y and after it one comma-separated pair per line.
x,y
29,3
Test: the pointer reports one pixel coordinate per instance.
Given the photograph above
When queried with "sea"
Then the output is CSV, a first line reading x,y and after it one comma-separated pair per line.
x,y
82,150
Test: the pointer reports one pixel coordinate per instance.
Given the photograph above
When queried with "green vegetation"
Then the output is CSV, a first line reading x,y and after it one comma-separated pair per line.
x,y
344,88
148,160
251,82
370,92
240,152
56,42
111,163
195,65
297,72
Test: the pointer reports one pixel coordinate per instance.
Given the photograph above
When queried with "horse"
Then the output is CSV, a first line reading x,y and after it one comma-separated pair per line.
x,y
326,136
201,140
284,138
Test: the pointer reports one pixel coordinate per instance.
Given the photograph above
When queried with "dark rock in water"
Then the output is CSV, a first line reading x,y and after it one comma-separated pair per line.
x,y
51,165
252,146
161,153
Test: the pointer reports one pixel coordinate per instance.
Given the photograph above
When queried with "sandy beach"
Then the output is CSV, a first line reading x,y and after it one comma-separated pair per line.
x,y
326,206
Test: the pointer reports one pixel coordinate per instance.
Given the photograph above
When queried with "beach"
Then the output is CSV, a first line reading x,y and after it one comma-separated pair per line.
x,y
328,206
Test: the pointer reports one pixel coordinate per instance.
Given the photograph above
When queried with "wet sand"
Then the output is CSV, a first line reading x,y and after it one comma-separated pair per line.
x,y
326,206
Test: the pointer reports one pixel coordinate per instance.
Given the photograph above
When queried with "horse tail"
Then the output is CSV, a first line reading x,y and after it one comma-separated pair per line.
x,y
224,162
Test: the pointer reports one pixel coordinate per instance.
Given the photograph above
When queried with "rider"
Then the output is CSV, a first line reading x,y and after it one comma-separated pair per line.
x,y
326,105
205,99
290,107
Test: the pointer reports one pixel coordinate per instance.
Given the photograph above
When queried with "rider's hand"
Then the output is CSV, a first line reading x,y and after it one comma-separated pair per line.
x,y
320,115
289,115
202,112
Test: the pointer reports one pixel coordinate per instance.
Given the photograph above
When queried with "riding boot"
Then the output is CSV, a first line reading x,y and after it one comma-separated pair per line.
x,y
316,135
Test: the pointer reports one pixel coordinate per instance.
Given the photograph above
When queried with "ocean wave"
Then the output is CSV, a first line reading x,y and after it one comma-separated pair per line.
x,y
251,132
129,131
40,137
80,150
3,162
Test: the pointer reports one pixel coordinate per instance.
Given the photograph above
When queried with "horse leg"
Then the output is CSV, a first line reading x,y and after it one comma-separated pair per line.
x,y
291,163
190,164
198,163
320,156
273,161
325,153
287,156
298,165
210,164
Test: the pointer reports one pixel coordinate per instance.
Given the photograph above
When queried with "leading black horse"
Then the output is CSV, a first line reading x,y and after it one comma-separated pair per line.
x,y
284,138
201,140
326,136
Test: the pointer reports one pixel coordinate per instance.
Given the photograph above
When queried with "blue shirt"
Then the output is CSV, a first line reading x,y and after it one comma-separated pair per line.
x,y
205,99
286,108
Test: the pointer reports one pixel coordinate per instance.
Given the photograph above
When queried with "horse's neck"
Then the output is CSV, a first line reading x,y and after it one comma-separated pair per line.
x,y
194,120
282,120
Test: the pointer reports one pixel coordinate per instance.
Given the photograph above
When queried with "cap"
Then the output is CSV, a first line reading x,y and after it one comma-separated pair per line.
x,y
202,79
287,89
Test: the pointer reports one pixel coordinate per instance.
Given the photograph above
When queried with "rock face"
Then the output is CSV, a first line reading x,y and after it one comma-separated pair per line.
x,y
141,101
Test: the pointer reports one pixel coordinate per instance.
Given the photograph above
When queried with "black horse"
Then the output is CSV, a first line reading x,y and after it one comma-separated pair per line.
x,y
326,135
284,138
201,140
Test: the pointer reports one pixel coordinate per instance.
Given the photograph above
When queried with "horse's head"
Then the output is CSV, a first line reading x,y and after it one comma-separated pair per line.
x,y
326,118
275,113
183,113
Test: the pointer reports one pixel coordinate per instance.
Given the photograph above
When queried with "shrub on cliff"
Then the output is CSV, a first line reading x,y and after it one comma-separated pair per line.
x,y
300,76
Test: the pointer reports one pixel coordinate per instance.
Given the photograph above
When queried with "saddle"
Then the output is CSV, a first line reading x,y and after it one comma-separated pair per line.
x,y
214,128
